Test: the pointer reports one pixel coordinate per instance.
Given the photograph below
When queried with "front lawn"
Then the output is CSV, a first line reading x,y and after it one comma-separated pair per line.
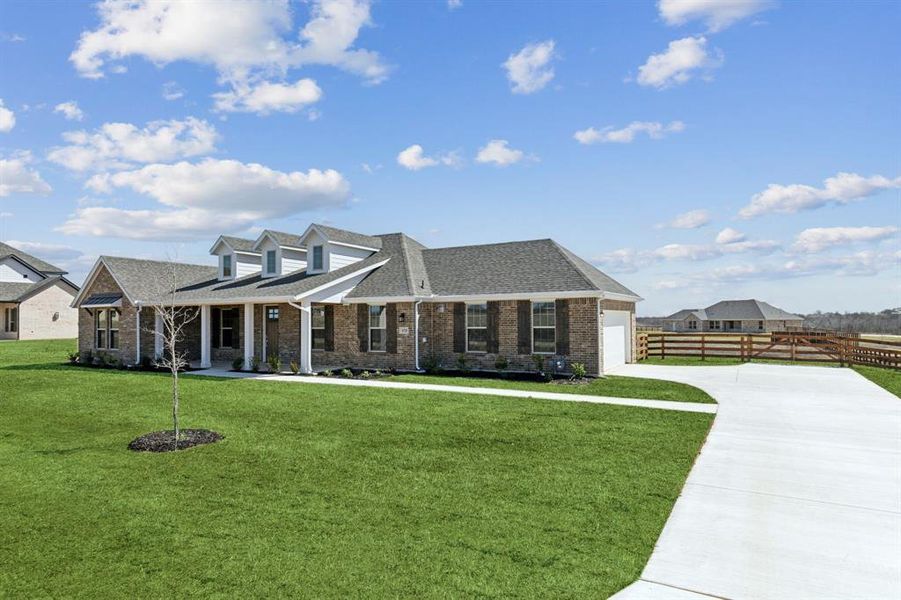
x,y
323,491
890,379
613,385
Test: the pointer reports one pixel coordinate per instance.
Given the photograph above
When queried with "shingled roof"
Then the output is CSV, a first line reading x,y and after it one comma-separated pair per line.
x,y
343,236
736,310
19,291
34,262
239,244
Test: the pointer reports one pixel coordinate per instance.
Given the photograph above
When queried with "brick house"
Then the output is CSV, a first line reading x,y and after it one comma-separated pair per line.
x,y
745,316
35,298
331,298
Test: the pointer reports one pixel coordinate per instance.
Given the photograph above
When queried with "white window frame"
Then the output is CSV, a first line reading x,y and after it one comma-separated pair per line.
x,y
714,325
692,324
468,327
761,325
321,264
11,319
314,328
384,327
227,258
106,326
534,327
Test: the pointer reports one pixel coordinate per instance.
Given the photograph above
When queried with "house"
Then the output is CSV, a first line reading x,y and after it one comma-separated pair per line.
x,y
331,298
35,298
748,316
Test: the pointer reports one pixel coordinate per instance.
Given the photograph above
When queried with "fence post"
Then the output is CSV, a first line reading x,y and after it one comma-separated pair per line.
x,y
662,347
703,347
794,340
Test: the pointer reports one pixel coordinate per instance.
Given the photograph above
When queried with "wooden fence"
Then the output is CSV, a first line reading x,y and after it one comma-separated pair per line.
x,y
788,346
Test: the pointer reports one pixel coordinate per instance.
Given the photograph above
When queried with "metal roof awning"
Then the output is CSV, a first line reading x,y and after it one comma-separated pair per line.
x,y
103,301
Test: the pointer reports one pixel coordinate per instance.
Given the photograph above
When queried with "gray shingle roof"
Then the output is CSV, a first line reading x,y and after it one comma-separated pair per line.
x,y
241,244
285,239
697,313
404,275
737,310
349,237
11,292
536,266
32,261
149,280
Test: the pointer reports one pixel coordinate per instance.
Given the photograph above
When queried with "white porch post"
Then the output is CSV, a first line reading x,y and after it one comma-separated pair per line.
x,y
158,335
306,338
248,336
205,337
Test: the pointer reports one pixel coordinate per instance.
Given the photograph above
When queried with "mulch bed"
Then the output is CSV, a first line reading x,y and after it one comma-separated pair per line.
x,y
162,441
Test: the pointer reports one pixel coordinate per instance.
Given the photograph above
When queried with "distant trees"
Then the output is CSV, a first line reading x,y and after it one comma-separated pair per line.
x,y
887,321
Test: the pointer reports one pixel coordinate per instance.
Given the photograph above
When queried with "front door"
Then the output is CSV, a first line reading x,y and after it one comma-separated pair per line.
x,y
270,332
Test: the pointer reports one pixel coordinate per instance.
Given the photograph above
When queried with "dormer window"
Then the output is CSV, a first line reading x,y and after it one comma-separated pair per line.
x,y
227,266
317,258
270,262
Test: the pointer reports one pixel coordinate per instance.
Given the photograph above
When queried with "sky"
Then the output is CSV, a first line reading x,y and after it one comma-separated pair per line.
x,y
694,150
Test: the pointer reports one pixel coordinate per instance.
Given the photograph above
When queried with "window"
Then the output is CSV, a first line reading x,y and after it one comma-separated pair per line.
x,y
227,265
272,313
377,329
317,258
270,261
317,315
477,328
106,324
544,327
11,322
227,318
760,325
714,325
692,324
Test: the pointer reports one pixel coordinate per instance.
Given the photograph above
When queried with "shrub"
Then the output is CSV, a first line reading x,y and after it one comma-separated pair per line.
x,y
110,361
461,361
146,363
378,373
538,361
275,363
430,364
578,370
73,357
237,364
365,375
347,373
327,373
255,364
501,363
295,368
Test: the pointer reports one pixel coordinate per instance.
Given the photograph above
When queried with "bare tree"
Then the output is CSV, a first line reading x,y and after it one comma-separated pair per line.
x,y
174,319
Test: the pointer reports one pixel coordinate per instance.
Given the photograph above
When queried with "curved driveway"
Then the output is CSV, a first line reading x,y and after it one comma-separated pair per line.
x,y
796,493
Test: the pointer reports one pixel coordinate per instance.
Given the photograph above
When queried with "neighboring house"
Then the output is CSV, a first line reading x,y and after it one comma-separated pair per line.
x,y
331,298
748,316
35,298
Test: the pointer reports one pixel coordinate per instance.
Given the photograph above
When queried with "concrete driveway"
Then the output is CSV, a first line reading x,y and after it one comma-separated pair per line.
x,y
796,493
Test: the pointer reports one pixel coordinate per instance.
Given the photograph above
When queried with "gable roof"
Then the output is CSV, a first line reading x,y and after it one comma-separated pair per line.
x,y
697,313
343,236
736,310
404,275
279,237
235,243
21,291
34,262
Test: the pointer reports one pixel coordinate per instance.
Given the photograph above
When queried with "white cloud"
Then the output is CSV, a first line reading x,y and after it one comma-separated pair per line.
x,y
246,42
13,38
454,4
529,70
841,189
729,236
414,158
500,153
6,215
716,14
204,198
46,251
7,118
653,129
679,63
821,238
69,110
266,97
120,145
687,220
172,91
16,177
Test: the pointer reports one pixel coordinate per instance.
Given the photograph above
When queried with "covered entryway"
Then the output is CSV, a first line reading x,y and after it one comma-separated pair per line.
x,y
617,338
270,331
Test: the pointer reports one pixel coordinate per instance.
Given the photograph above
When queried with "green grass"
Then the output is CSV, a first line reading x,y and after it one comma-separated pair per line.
x,y
320,491
621,387
890,379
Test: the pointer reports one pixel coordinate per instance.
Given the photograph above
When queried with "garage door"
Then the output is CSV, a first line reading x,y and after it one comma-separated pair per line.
x,y
617,337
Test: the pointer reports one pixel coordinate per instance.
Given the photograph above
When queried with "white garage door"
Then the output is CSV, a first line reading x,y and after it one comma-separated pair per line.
x,y
617,337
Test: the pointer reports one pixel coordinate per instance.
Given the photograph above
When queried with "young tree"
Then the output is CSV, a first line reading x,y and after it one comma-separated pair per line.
x,y
174,320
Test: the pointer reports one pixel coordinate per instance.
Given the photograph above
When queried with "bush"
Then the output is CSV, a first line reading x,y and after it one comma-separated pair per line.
x,y
501,363
255,364
430,364
110,361
365,375
295,368
275,363
378,373
237,364
347,373
73,357
578,370
538,361
461,362
327,373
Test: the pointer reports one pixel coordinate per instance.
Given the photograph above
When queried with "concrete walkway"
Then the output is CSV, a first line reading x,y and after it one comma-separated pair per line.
x,y
796,493
456,389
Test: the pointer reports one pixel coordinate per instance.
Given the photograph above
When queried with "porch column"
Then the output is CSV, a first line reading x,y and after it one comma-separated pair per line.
x,y
205,337
248,336
306,338
157,335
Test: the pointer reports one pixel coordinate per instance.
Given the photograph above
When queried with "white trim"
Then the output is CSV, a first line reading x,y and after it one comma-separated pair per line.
x,y
467,327
341,279
532,326
623,297
90,281
248,335
205,337
346,245
369,329
536,296
249,252
314,227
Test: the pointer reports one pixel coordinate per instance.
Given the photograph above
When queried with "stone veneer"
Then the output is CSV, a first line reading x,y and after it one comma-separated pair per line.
x,y
436,335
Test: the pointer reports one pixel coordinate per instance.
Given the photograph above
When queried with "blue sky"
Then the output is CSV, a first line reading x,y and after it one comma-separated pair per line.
x,y
693,150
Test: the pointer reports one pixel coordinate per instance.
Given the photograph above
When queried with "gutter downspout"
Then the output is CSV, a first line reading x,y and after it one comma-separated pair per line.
x,y
416,334
138,335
